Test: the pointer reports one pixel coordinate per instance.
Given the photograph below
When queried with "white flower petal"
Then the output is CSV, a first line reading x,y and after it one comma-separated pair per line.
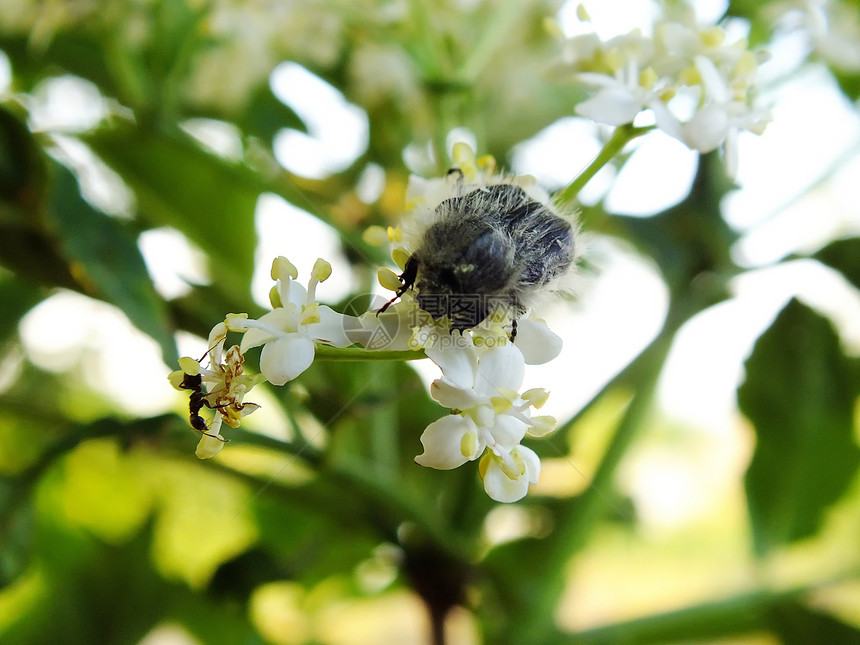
x,y
537,341
387,331
280,319
500,368
665,120
217,336
297,294
531,460
458,363
707,129
508,431
211,443
332,327
541,426
502,488
715,85
582,47
612,105
446,440
452,395
209,447
284,359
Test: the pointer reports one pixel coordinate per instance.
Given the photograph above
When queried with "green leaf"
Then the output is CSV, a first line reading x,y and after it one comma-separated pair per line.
x,y
106,253
799,394
266,115
179,184
722,619
16,529
18,298
844,256
797,624
27,247
70,51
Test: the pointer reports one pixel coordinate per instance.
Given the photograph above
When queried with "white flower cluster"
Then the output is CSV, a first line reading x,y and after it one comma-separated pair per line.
x,y
482,369
832,28
699,86
488,417
226,384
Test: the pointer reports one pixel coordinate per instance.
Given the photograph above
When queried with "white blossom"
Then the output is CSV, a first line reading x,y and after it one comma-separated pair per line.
x,y
833,30
698,87
290,331
489,417
220,387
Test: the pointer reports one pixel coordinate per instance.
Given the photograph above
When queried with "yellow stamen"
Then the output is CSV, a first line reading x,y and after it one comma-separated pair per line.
x,y
462,153
176,379
275,298
542,425
375,235
468,444
648,78
189,366
536,397
282,268
395,234
321,270
582,13
234,322
388,279
487,163
713,37
690,76
310,313
484,464
400,257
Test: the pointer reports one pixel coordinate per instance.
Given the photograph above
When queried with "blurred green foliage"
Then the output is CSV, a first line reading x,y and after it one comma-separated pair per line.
x,y
109,526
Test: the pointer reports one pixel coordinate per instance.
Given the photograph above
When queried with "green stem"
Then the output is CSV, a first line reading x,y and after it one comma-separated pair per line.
x,y
726,617
593,500
433,54
620,138
492,40
575,525
355,354
296,448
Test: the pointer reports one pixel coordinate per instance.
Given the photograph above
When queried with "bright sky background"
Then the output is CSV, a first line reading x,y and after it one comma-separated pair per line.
x,y
779,206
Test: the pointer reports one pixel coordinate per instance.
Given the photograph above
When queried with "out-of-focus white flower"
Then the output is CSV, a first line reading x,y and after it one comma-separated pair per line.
x,y
699,88
832,28
382,73
289,332
488,415
246,40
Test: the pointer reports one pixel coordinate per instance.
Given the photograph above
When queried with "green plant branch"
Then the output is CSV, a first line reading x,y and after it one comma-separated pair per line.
x,y
357,354
714,619
373,498
492,39
620,138
577,521
295,448
433,53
